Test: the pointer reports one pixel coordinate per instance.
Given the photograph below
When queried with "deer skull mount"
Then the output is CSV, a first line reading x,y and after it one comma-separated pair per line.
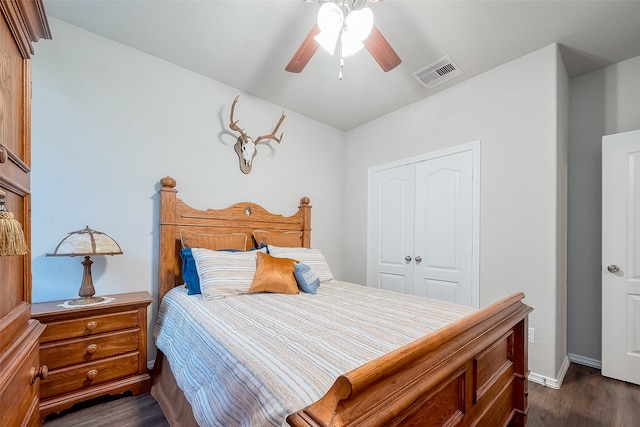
x,y
245,146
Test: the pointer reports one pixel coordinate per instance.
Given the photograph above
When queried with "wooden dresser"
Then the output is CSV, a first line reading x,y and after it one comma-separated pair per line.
x,y
21,24
93,350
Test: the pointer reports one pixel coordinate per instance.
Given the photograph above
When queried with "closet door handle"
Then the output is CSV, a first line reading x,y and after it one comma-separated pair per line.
x,y
418,259
408,259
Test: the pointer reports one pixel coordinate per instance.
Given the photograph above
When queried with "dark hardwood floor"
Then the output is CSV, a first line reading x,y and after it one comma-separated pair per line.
x,y
586,399
109,411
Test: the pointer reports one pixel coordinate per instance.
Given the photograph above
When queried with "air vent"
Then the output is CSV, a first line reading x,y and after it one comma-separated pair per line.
x,y
437,73
358,4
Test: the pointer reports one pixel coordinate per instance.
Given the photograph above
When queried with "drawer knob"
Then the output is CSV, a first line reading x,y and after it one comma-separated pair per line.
x,y
92,325
92,374
41,373
92,348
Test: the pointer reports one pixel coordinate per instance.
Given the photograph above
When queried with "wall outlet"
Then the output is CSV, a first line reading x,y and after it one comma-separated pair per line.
x,y
532,335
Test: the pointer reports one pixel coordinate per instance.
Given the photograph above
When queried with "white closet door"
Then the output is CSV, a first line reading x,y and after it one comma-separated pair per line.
x,y
444,228
392,217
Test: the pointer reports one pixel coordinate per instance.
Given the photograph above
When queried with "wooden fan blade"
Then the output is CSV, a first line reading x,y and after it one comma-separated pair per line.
x,y
304,52
381,50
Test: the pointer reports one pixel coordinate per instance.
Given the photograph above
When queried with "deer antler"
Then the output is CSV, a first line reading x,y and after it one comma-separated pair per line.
x,y
272,135
234,125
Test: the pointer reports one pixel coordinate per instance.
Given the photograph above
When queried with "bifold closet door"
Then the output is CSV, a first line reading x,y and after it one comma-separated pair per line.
x,y
392,193
444,228
421,231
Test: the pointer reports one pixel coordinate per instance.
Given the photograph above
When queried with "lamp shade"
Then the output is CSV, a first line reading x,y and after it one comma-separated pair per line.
x,y
86,242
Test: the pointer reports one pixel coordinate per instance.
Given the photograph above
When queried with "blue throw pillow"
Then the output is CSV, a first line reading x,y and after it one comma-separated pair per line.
x,y
307,279
190,272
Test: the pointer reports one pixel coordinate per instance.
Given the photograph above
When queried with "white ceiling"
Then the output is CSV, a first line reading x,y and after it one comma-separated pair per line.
x,y
246,44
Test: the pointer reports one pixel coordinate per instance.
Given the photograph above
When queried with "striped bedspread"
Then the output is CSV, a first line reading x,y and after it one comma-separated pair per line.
x,y
250,360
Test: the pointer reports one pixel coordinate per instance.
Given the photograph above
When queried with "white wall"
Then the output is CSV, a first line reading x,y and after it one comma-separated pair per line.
x,y
513,110
562,129
603,102
108,122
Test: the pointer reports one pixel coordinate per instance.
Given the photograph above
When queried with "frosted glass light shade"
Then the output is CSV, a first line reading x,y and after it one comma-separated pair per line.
x,y
327,41
330,19
358,26
359,23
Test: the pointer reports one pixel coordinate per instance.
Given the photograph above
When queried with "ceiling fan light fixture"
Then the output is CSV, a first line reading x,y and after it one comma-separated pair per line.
x,y
355,30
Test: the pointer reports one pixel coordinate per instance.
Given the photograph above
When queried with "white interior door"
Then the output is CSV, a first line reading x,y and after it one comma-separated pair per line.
x,y
392,213
444,228
621,256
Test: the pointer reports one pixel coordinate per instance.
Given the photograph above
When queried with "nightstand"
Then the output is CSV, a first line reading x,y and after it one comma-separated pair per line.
x,y
92,350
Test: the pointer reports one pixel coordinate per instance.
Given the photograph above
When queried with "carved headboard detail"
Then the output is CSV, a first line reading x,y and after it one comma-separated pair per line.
x,y
244,217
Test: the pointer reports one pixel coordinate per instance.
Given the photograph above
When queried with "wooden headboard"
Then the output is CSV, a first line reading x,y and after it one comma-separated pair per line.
x,y
244,217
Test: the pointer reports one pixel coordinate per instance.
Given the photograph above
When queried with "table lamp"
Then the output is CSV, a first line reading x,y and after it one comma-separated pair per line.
x,y
86,243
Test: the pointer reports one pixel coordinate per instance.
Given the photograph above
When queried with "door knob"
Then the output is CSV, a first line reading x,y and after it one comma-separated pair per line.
x,y
418,259
408,259
613,268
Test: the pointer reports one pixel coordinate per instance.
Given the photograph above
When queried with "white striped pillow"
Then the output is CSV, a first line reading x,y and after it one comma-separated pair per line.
x,y
223,274
311,257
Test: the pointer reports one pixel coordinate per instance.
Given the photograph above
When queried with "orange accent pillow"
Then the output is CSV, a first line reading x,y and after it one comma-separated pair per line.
x,y
274,275
285,239
214,242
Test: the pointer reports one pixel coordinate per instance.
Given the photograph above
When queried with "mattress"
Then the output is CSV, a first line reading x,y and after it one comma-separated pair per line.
x,y
251,359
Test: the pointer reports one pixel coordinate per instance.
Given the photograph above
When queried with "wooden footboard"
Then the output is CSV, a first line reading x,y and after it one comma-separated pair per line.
x,y
472,372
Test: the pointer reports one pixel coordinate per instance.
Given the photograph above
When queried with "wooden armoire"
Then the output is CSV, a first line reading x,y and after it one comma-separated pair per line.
x,y
23,23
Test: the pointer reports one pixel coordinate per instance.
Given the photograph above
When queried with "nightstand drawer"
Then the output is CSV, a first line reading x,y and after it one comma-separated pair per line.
x,y
89,326
73,352
86,375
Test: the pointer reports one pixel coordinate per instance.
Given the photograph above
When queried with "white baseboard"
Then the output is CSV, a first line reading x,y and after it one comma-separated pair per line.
x,y
586,361
551,382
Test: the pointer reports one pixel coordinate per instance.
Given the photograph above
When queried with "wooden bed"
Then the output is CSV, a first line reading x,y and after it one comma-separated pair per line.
x,y
471,372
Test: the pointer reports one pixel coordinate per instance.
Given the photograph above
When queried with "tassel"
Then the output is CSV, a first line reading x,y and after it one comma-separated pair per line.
x,y
11,235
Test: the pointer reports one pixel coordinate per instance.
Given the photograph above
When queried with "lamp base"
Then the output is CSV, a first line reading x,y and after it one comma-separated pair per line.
x,y
85,301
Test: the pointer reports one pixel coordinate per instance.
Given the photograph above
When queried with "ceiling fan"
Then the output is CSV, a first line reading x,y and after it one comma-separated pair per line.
x,y
338,21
